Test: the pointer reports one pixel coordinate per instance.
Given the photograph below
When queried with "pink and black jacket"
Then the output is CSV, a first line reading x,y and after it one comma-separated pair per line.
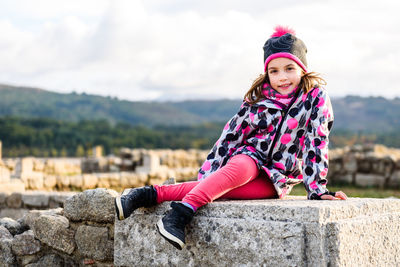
x,y
289,142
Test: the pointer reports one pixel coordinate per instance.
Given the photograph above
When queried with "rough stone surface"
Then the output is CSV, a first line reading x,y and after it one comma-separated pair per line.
x,y
95,205
4,233
76,181
13,213
3,197
49,260
14,200
7,258
291,232
4,174
58,199
365,241
36,200
93,242
49,181
14,185
12,226
27,259
89,181
54,231
30,217
25,244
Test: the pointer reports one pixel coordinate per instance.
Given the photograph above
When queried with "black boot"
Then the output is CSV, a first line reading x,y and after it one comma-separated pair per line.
x,y
172,225
136,198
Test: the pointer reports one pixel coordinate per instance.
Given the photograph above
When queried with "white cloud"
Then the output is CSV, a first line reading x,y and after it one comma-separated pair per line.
x,y
180,49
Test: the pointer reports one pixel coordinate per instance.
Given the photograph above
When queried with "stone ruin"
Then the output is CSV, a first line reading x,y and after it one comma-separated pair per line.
x,y
132,168
359,165
81,233
289,232
369,165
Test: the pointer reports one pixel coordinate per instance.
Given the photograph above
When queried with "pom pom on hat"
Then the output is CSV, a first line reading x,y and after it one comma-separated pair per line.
x,y
282,30
284,43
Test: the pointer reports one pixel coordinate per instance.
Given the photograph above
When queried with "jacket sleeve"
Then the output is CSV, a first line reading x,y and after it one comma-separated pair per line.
x,y
315,149
232,136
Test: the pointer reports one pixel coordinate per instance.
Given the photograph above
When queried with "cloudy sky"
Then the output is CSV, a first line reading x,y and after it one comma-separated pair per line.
x,y
180,49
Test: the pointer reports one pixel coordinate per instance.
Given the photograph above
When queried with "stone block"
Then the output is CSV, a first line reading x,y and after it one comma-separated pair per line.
x,y
36,200
370,180
346,178
27,165
13,213
89,181
394,181
62,181
114,179
7,258
51,260
30,217
4,174
58,199
107,180
290,232
131,179
33,180
49,181
11,225
4,233
96,205
27,259
3,197
93,242
75,181
365,240
14,185
54,231
14,200
25,244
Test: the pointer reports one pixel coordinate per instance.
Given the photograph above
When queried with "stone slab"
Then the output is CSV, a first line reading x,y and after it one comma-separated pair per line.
x,y
96,205
36,200
13,185
93,242
13,213
291,232
54,231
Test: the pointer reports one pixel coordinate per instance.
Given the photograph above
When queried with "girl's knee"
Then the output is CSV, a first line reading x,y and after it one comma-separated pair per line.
x,y
244,164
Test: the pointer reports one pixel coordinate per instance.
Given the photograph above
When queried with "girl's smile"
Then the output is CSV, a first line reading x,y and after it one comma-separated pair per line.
x,y
284,75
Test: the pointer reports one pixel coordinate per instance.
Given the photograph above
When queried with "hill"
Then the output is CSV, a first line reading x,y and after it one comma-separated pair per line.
x,y
28,102
352,113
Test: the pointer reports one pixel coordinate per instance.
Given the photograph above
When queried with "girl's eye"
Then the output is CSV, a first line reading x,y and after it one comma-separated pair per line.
x,y
272,71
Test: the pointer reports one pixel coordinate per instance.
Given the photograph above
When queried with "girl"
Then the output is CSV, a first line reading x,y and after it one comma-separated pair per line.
x,y
278,139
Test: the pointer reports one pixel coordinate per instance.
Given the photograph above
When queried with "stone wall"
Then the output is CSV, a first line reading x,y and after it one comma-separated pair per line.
x,y
374,165
80,234
132,168
15,205
290,232
360,165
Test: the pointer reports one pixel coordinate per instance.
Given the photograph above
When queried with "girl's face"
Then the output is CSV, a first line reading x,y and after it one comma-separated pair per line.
x,y
284,75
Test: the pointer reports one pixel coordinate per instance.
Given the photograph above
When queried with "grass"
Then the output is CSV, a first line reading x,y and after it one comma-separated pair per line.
x,y
352,191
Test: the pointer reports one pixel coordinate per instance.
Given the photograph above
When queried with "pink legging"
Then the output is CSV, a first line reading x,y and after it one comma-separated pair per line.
x,y
238,179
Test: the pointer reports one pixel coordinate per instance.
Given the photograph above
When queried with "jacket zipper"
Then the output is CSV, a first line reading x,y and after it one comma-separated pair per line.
x,y
277,135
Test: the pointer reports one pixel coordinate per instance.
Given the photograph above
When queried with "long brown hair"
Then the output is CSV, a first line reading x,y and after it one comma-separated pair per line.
x,y
308,81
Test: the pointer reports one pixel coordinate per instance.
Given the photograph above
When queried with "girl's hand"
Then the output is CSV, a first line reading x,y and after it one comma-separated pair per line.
x,y
338,195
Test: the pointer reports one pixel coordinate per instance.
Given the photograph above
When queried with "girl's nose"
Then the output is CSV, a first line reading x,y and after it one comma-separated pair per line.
x,y
282,77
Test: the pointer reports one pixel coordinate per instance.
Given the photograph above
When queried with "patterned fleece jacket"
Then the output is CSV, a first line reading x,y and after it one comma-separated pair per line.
x,y
290,143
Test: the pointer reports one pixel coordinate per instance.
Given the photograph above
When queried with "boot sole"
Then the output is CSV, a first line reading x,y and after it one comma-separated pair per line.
x,y
119,209
176,242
